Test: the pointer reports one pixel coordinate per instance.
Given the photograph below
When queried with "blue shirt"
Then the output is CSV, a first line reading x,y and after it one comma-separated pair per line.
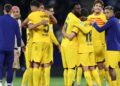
x,y
8,29
112,33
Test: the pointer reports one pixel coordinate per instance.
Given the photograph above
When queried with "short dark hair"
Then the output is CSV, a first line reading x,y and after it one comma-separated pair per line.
x,y
109,8
84,12
35,3
7,7
73,5
98,2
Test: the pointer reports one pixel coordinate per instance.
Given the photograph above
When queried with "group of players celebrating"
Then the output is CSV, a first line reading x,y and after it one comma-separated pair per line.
x,y
39,48
90,44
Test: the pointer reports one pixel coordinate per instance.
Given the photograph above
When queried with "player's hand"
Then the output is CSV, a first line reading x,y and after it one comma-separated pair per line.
x,y
59,47
83,18
23,49
44,22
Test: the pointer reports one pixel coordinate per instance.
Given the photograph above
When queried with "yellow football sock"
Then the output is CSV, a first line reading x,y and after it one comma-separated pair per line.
x,y
88,78
65,76
102,74
30,79
36,76
107,77
42,80
114,83
96,77
47,76
118,76
70,77
79,75
25,76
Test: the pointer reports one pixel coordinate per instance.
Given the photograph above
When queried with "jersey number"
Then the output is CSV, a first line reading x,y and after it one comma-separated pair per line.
x,y
46,28
89,37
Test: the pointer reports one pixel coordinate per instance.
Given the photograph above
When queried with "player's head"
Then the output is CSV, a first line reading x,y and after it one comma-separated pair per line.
x,y
34,5
109,11
84,14
16,12
98,6
76,8
7,9
50,8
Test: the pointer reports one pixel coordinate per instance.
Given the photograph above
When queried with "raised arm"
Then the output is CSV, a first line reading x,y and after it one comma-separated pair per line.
x,y
53,19
84,27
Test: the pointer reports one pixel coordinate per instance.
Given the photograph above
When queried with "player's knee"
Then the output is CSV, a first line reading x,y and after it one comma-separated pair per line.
x,y
92,68
46,65
100,65
85,68
112,73
36,65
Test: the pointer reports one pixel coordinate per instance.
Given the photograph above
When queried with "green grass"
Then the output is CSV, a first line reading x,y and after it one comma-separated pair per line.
x,y
56,81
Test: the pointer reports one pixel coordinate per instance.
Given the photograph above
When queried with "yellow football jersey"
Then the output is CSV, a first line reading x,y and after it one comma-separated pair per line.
x,y
98,38
84,39
42,33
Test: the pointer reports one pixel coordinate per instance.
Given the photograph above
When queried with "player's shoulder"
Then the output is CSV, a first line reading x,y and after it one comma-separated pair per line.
x,y
71,15
34,13
90,16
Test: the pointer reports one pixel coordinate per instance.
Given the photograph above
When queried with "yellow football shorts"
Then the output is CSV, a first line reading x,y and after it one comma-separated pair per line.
x,y
40,52
112,58
69,55
99,52
86,59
